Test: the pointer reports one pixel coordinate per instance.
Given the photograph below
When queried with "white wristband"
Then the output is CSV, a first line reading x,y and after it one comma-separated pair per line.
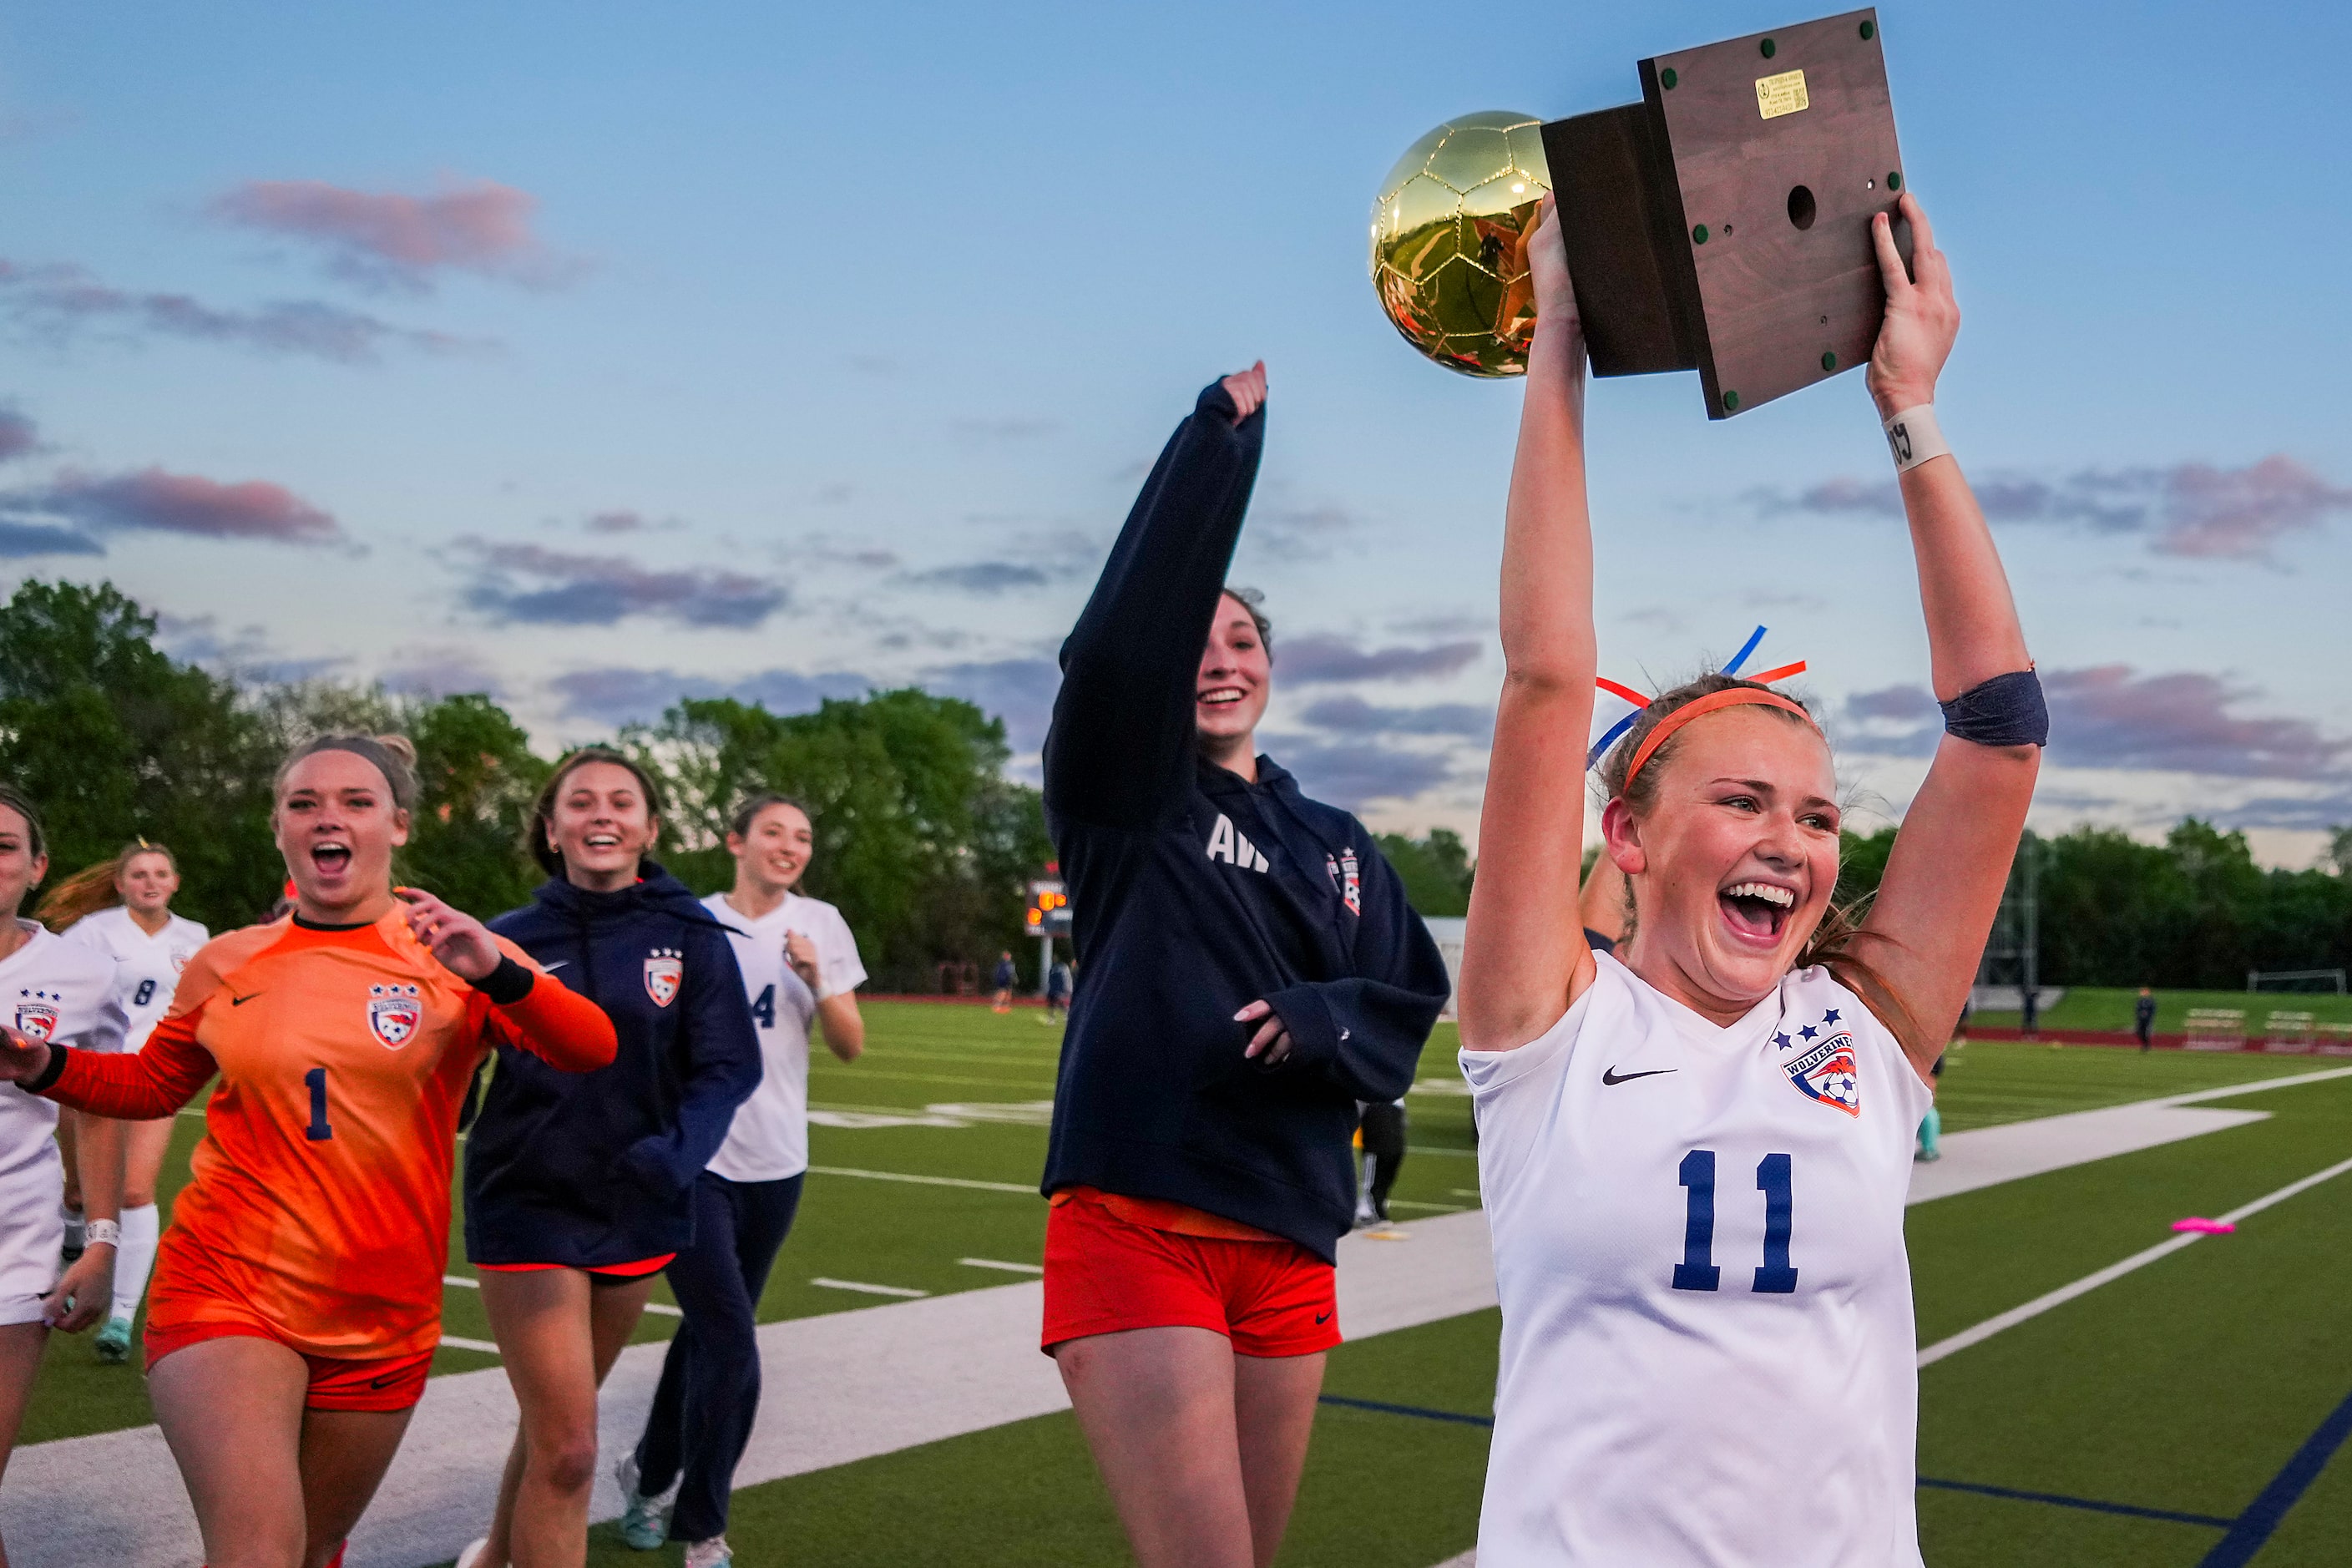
x,y
101,1233
1913,437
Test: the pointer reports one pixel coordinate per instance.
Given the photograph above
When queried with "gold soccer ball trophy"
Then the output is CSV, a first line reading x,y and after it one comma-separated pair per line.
x,y
1449,242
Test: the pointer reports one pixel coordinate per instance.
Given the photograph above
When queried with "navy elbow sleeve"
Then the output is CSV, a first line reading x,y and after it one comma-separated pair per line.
x,y
2007,711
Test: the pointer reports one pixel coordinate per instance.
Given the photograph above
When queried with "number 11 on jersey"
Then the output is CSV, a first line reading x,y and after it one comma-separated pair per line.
x,y
1697,1270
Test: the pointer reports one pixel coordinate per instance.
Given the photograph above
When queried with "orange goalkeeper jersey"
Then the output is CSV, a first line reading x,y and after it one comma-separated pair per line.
x,y
321,1193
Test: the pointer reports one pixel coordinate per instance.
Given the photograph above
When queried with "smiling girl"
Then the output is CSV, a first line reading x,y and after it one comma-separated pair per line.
x,y
49,990
800,966
1695,1153
580,1190
122,908
1253,973
297,1300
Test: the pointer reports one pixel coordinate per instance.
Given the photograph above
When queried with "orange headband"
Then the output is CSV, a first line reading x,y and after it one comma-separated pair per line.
x,y
1729,697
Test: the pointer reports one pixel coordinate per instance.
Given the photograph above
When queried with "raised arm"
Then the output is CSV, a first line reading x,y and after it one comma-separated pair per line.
x,y
1524,957
1951,857
1119,751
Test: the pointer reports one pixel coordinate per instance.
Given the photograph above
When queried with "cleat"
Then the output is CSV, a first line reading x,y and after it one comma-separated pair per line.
x,y
114,1341
710,1553
644,1521
472,1555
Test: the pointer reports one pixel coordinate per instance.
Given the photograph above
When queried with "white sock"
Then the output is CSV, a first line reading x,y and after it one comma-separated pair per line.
x,y
74,1238
133,1258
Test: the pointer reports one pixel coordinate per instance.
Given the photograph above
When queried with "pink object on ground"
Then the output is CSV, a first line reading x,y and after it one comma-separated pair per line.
x,y
2204,1227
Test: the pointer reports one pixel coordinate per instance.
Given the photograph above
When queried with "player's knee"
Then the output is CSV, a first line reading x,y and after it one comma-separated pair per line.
x,y
569,1464
135,1197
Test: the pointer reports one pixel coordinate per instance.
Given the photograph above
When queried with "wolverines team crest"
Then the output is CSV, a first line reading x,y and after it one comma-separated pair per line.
x,y
37,1012
393,1014
665,973
1824,1070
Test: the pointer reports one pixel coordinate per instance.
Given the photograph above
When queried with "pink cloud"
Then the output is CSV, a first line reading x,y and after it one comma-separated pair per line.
x,y
19,435
388,238
2110,716
2185,509
59,301
2242,512
152,499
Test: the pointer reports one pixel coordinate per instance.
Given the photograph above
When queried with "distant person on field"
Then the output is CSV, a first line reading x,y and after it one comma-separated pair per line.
x,y
2029,1009
1058,986
1001,982
1931,1126
122,908
2144,1016
800,965
1384,1133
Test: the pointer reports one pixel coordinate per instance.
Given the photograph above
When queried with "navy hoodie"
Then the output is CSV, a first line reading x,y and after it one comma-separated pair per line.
x,y
588,1170
1195,892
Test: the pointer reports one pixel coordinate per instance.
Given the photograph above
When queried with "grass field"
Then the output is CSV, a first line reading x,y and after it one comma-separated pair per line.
x,y
2110,1007
2135,1424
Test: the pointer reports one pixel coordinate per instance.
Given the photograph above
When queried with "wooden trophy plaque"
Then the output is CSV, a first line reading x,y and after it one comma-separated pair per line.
x,y
1722,223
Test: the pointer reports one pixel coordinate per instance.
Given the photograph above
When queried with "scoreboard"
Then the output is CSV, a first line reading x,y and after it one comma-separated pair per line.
x,y
1048,914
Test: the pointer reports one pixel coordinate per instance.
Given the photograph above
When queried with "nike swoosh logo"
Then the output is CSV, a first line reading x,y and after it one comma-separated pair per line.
x,y
383,1381
240,1001
559,964
1321,1318
1613,1077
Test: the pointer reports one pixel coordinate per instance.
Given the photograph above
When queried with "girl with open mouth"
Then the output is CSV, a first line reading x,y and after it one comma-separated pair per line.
x,y
295,1304
1694,1153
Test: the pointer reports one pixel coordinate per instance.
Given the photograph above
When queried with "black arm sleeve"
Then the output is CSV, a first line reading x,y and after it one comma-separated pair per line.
x,y
1119,754
1365,1033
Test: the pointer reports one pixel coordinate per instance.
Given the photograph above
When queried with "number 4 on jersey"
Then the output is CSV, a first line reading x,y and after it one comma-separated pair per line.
x,y
1697,1270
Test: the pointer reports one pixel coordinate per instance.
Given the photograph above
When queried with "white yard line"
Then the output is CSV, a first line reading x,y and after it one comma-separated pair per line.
x,y
1000,1264
1030,1189
2113,1271
463,1343
900,1290
844,1387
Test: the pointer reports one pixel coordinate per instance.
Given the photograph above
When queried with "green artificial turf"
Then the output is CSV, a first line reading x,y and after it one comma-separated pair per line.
x,y
2110,1007
2184,1386
1380,1491
1989,1082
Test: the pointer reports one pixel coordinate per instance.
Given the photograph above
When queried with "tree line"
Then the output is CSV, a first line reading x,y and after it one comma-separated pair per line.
x,y
922,841
2192,912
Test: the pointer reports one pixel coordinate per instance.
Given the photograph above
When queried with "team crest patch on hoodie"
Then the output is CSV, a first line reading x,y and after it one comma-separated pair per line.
x,y
36,1013
393,1014
665,973
1347,879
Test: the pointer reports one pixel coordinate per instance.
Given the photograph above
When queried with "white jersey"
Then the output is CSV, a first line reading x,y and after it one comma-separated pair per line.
x,y
768,1140
1708,1351
53,990
147,968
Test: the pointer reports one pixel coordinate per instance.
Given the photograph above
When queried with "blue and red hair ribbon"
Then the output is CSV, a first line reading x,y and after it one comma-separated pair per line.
x,y
1641,703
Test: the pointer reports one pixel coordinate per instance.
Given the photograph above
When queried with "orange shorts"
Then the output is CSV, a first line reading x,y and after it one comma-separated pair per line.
x,y
337,1383
1105,1275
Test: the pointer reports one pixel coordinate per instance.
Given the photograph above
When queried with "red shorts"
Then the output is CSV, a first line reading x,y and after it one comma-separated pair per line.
x,y
1105,1275
337,1383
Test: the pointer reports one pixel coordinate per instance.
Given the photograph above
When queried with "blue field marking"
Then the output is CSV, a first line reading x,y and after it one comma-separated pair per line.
x,y
2129,1509
1384,1409
2253,1528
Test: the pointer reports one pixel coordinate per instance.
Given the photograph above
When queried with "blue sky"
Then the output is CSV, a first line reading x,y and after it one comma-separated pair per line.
x,y
594,353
